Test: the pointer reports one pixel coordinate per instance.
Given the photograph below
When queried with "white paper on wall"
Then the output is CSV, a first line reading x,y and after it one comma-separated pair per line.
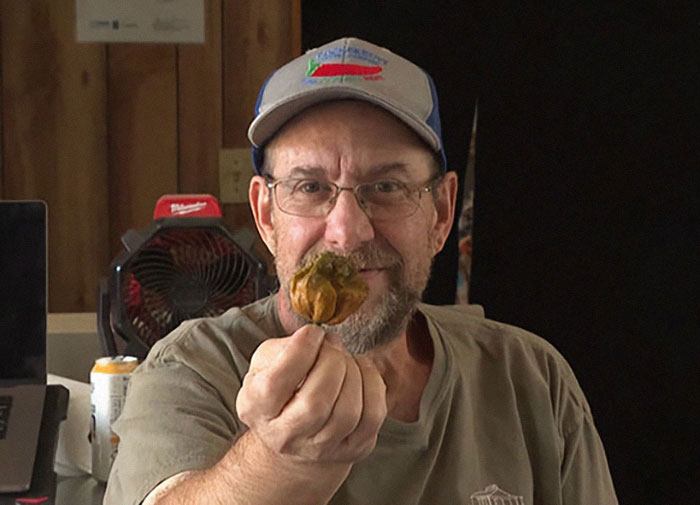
x,y
147,21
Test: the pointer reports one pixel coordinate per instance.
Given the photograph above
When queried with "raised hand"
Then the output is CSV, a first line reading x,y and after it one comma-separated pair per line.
x,y
306,397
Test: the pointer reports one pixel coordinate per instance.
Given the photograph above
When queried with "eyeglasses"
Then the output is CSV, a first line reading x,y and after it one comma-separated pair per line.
x,y
382,200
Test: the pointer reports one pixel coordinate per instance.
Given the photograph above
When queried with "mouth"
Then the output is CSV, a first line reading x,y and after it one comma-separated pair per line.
x,y
369,272
368,264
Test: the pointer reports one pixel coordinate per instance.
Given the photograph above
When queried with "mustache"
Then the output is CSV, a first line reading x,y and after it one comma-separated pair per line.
x,y
369,256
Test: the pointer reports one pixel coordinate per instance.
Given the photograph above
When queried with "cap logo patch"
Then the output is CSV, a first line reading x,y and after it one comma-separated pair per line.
x,y
331,66
340,69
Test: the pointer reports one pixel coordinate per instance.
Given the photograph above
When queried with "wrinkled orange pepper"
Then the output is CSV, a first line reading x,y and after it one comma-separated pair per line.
x,y
327,290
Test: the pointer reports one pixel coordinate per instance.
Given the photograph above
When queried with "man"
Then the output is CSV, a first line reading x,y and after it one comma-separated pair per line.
x,y
402,403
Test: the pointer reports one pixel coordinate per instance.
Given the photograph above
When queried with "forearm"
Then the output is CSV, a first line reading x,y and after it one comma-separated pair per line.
x,y
250,474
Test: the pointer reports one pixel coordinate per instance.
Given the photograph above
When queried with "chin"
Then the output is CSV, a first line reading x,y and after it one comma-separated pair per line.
x,y
378,321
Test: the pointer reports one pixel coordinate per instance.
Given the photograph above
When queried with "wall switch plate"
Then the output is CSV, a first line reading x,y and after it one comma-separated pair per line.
x,y
235,172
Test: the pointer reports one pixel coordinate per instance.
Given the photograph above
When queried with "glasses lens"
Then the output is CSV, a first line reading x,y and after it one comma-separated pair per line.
x,y
389,199
304,197
384,200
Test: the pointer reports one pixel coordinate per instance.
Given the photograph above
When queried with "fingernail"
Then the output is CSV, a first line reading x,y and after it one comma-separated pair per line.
x,y
316,332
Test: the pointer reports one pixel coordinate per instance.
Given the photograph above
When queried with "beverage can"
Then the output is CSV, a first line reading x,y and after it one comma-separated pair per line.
x,y
109,378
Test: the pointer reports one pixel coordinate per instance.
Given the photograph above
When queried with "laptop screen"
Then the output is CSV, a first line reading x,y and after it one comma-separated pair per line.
x,y
23,291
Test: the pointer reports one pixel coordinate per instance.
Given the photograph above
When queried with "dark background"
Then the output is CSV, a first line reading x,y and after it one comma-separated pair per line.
x,y
586,217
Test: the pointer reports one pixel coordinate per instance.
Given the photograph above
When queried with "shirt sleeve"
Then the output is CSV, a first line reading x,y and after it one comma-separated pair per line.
x,y
585,475
173,421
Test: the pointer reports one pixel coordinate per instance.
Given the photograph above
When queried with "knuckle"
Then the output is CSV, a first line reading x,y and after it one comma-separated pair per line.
x,y
355,448
333,355
370,426
300,421
348,416
334,432
367,448
264,352
316,450
264,384
279,436
376,420
243,406
247,410
382,412
315,408
323,440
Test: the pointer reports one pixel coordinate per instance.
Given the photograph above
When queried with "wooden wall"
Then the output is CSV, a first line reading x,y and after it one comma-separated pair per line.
x,y
100,131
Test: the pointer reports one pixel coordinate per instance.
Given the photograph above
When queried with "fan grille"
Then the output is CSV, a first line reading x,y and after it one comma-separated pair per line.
x,y
184,273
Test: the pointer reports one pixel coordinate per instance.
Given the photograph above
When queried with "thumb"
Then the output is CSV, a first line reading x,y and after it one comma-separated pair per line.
x,y
308,335
335,341
304,344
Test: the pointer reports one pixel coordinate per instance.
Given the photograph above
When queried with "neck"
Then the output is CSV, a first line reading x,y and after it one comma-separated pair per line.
x,y
405,365
285,313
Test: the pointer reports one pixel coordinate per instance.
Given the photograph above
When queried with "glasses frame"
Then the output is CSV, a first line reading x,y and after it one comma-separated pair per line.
x,y
425,187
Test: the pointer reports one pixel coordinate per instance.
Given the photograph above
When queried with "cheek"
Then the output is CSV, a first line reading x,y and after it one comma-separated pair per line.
x,y
293,240
414,243
411,238
431,235
291,232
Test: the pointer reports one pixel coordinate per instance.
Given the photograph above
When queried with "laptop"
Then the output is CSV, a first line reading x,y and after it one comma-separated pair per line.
x,y
23,308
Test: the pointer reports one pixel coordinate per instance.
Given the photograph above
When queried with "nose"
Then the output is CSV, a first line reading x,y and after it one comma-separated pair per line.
x,y
347,224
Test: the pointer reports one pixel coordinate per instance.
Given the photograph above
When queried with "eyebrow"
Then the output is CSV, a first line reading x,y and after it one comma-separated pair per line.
x,y
316,171
307,171
397,168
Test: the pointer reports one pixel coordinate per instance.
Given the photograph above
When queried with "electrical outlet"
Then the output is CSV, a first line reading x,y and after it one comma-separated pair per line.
x,y
235,172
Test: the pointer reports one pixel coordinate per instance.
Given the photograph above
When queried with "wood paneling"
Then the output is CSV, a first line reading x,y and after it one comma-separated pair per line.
x,y
54,140
142,124
200,114
101,131
258,37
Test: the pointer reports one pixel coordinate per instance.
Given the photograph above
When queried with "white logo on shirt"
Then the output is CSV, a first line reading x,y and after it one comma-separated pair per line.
x,y
493,495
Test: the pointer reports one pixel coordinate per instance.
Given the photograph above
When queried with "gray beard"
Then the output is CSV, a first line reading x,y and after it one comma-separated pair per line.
x,y
360,333
367,329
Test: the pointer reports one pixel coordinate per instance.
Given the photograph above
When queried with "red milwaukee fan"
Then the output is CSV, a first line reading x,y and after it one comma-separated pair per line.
x,y
185,265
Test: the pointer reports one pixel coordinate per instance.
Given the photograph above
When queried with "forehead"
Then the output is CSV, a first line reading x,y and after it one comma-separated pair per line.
x,y
347,136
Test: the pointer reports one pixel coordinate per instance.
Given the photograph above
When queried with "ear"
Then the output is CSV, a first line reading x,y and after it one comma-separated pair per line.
x,y
445,198
260,198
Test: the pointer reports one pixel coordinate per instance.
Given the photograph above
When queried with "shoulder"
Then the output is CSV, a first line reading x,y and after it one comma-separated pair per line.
x,y
467,324
228,340
487,344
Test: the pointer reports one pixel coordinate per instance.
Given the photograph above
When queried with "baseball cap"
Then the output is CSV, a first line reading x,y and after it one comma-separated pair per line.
x,y
348,68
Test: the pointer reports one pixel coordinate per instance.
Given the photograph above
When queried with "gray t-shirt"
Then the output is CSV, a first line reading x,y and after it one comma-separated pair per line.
x,y
502,417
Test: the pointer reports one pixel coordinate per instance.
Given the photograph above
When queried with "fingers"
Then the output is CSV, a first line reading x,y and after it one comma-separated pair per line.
x,y
305,395
347,410
277,368
311,406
